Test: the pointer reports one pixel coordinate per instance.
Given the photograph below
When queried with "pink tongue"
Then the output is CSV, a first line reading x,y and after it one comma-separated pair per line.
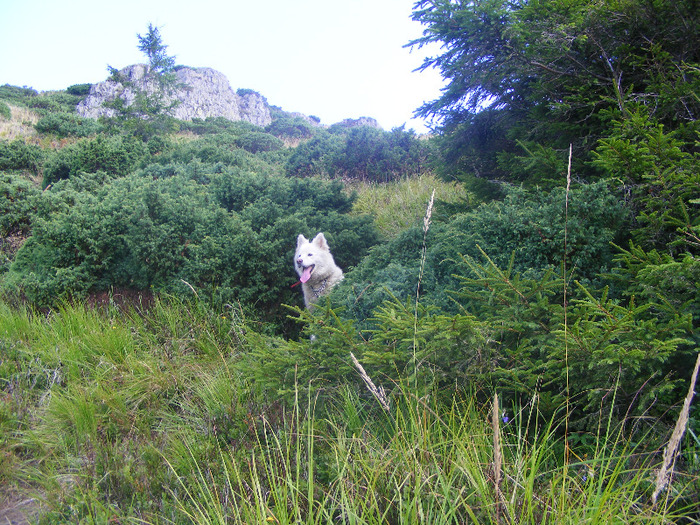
x,y
306,275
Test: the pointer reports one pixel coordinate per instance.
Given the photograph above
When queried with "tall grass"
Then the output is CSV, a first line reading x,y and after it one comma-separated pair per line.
x,y
421,465
399,205
20,124
112,416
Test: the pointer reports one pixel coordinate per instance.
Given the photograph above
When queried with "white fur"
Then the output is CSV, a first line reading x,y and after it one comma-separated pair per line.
x,y
325,273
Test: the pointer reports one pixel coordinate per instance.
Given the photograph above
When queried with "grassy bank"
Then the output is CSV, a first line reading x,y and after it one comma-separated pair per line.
x,y
113,416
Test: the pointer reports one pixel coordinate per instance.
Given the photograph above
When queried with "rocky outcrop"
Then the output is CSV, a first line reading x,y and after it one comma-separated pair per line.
x,y
359,122
199,92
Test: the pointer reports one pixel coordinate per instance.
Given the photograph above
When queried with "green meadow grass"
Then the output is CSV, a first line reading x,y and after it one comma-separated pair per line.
x,y
125,417
399,205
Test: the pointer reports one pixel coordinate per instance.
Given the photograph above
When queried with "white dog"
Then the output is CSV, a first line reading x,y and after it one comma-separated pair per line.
x,y
317,270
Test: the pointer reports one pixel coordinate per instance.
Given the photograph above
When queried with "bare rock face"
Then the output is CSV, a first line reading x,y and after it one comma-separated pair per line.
x,y
200,92
359,122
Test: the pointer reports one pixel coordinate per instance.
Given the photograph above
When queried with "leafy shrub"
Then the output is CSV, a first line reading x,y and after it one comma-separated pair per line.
x,y
17,203
17,95
215,125
290,128
315,157
79,89
614,360
256,142
242,92
18,155
5,111
662,170
67,124
525,231
221,149
116,156
361,153
229,234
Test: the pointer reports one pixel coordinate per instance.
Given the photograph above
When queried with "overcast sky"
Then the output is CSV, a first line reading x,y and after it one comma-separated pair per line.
x,y
334,59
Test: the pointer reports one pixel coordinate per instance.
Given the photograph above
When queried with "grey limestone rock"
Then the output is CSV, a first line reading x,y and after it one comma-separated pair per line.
x,y
200,93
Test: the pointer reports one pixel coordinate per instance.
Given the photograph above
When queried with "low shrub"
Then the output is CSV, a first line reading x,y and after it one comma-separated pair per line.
x,y
5,111
20,156
67,125
228,234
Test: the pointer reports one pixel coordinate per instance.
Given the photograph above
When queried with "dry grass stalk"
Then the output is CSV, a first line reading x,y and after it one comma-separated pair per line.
x,y
424,253
663,476
377,392
428,213
566,319
497,456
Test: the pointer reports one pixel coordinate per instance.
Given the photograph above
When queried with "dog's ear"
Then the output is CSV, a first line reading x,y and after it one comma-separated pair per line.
x,y
320,241
301,240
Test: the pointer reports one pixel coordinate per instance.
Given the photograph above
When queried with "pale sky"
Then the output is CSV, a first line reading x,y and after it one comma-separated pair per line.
x,y
334,59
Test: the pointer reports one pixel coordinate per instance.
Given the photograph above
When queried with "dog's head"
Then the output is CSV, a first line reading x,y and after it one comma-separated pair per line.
x,y
310,256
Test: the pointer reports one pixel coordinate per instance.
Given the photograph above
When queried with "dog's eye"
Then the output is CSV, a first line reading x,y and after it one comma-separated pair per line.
x,y
311,255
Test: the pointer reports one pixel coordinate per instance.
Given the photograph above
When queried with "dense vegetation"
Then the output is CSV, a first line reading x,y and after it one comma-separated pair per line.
x,y
155,363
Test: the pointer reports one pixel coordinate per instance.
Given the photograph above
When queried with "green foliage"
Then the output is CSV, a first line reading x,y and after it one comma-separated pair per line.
x,y
228,233
551,73
662,171
17,95
152,46
290,128
166,429
256,142
17,201
54,102
608,357
79,89
115,156
67,124
218,125
527,227
242,92
315,157
20,156
5,111
625,350
669,285
361,153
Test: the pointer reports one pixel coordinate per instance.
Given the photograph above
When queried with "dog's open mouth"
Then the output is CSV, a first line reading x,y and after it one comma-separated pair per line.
x,y
306,273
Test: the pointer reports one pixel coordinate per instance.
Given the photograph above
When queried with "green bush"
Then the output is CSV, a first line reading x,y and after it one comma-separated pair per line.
x,y
17,204
17,95
18,155
116,156
662,171
216,149
79,89
67,124
290,128
316,157
608,360
361,153
216,125
5,111
230,234
525,231
256,142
